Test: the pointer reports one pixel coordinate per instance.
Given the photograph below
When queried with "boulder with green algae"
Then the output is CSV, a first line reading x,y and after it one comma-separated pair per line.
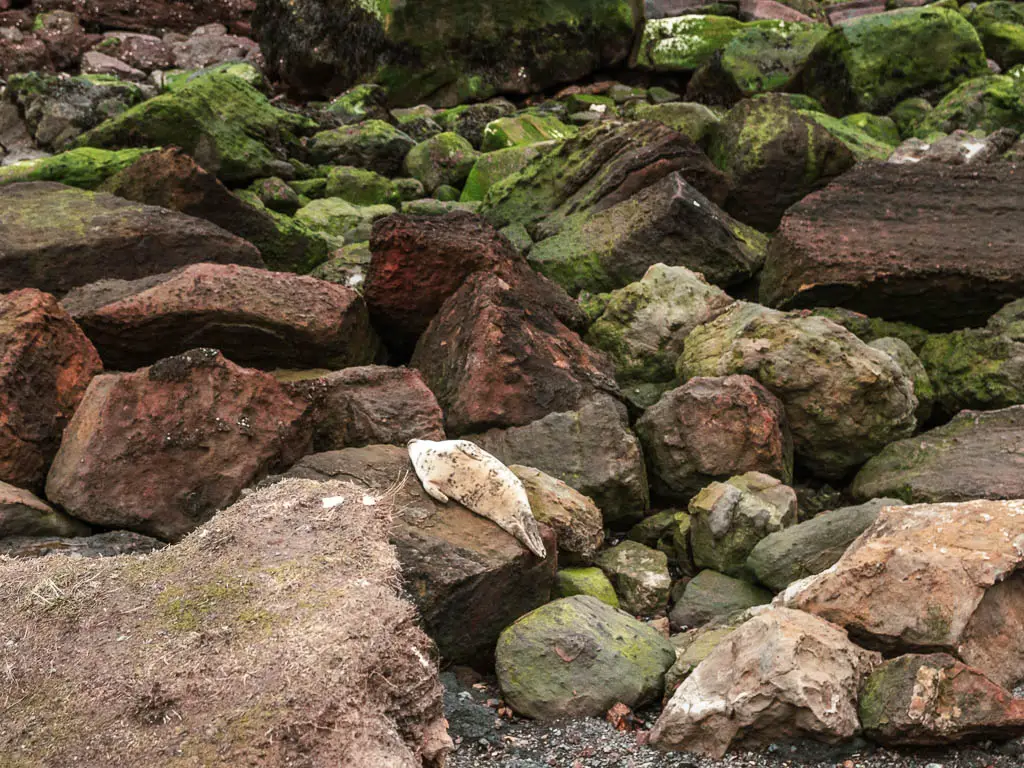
x,y
908,114
872,63
347,266
229,127
643,326
977,368
684,43
869,329
360,102
881,129
640,575
85,168
586,581
372,144
445,159
911,364
276,195
668,532
418,122
575,518
524,129
1000,26
338,218
843,400
697,121
985,103
470,120
359,186
492,167
712,595
577,657
863,145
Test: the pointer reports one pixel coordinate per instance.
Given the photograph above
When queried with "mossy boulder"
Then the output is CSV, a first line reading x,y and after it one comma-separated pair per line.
x,y
85,168
909,113
696,121
869,329
340,219
372,144
684,43
524,129
911,364
470,120
418,122
864,145
586,581
985,103
712,595
229,127
444,160
577,657
492,167
359,186
360,102
640,575
977,368
871,63
1000,26
883,129
276,195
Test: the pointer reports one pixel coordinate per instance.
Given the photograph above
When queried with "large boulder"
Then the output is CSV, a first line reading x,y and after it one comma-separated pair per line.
x,y
782,675
255,317
46,363
206,649
160,450
974,456
931,577
986,104
1000,27
373,145
56,238
893,241
578,657
444,159
442,52
933,49
468,578
591,449
534,364
712,429
843,400
24,514
85,168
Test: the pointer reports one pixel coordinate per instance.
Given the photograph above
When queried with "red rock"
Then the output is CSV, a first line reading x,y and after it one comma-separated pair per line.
x,y
64,38
46,363
255,317
493,360
758,10
154,16
22,52
160,450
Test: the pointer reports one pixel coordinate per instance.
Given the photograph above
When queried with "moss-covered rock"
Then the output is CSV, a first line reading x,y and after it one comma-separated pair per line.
x,y
361,102
492,167
85,168
418,122
243,70
586,581
372,144
359,186
347,266
1000,26
975,368
339,219
640,575
869,329
871,63
276,195
688,118
229,127
863,144
985,103
470,120
524,129
684,43
904,356
712,595
883,129
445,159
908,114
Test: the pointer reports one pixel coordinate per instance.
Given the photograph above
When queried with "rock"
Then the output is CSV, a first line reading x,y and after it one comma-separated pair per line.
x,y
909,113
713,429
109,544
276,195
96,63
729,519
711,595
199,51
537,365
818,370
812,546
586,581
640,575
974,456
775,156
865,145
140,51
643,326
85,168
229,127
576,657
574,518
339,222
883,129
46,363
986,104
443,53
904,356
958,148
934,699
869,329
468,578
63,36
782,675
20,52
255,317
590,449
668,532
373,145
692,648
683,43
1000,27
523,130
948,584
251,587
22,513
358,186
155,16
160,450
695,121
933,48
471,120
490,168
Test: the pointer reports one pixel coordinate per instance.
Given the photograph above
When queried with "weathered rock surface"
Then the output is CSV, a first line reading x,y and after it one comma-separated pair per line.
x,y
911,364
586,581
977,455
640,575
160,450
590,449
782,675
578,657
844,401
254,317
24,514
374,145
56,238
711,595
573,517
931,577
299,615
897,242
106,544
155,16
468,578
713,429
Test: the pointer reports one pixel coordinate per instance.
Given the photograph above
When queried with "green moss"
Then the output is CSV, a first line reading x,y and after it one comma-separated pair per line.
x,y
861,144
194,608
975,369
358,186
767,55
688,118
524,129
908,114
86,168
881,129
494,166
986,103
684,43
586,581
445,159
1000,26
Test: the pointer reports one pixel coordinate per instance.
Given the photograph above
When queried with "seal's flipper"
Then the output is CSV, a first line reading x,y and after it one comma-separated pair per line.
x,y
434,492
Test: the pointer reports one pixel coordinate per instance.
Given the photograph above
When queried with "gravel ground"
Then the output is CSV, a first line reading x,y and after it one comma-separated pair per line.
x,y
486,740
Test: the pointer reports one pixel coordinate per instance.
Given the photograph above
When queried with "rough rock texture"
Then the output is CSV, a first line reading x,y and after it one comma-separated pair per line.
x,y
640,575
911,364
812,546
712,429
468,578
782,675
985,104
935,699
977,455
844,401
573,517
304,632
591,450
24,514
46,363
578,657
56,238
899,242
373,145
160,450
495,360
586,581
154,16
255,317
98,545
711,595
931,577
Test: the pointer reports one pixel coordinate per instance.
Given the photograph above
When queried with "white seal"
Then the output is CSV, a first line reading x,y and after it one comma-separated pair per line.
x,y
461,470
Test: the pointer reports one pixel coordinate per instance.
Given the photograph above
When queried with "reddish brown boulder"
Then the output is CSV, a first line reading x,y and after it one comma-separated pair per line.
x,y
154,16
46,363
255,317
22,52
713,428
64,38
495,361
934,245
160,450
